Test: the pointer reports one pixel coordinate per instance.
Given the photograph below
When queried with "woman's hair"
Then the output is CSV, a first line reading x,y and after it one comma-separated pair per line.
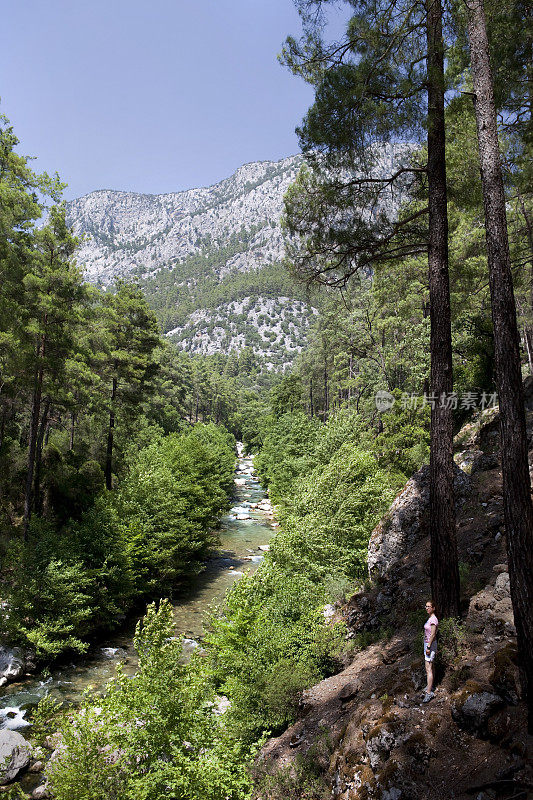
x,y
432,604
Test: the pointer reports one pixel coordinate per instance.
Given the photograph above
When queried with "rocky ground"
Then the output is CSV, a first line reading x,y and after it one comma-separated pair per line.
x,y
364,734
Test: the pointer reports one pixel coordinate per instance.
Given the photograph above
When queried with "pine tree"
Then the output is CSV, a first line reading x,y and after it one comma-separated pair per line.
x,y
383,82
518,508
132,338
53,293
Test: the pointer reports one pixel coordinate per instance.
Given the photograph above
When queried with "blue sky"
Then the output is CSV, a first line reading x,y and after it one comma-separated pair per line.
x,y
149,95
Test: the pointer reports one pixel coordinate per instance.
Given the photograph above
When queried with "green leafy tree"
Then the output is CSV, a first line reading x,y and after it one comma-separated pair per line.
x,y
53,296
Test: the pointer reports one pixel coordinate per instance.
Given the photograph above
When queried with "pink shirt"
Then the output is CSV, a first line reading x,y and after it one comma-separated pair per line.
x,y
427,627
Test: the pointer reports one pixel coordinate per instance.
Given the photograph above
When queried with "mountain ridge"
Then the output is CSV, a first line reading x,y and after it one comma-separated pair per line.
x,y
198,254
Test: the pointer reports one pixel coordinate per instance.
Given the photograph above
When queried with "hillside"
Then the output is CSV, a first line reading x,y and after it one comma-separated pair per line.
x,y
208,259
363,733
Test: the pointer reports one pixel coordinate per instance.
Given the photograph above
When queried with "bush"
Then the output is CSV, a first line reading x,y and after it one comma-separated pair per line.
x,y
62,588
452,634
153,736
175,490
138,541
270,626
332,484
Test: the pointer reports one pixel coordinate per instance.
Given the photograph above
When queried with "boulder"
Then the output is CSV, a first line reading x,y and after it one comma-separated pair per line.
x,y
501,587
473,706
12,663
406,522
15,754
381,741
504,677
221,706
40,793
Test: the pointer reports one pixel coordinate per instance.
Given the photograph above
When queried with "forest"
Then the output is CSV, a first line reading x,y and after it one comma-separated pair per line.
x,y
411,223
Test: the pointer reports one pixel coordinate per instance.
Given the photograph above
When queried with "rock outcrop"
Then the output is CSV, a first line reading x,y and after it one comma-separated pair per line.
x,y
14,663
15,754
406,522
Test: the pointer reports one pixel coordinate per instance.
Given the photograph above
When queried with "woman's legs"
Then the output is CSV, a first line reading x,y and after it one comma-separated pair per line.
x,y
429,675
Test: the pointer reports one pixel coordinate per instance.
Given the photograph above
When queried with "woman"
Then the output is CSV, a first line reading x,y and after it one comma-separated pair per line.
x,y
430,649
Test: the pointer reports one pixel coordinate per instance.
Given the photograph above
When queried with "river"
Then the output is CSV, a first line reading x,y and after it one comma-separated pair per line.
x,y
244,533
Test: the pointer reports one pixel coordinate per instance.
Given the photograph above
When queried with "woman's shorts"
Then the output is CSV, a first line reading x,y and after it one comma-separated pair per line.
x,y
432,651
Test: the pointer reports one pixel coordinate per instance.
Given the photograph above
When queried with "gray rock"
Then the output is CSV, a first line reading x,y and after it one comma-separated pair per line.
x,y
15,754
381,744
40,793
405,522
474,712
502,588
12,664
497,568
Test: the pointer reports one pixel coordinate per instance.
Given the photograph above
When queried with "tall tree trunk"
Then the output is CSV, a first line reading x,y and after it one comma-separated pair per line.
x,y
110,434
38,457
326,398
518,508
311,404
444,561
72,428
34,426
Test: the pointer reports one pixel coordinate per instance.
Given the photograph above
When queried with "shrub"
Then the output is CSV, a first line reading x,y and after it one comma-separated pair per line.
x,y
153,736
452,634
58,593
138,541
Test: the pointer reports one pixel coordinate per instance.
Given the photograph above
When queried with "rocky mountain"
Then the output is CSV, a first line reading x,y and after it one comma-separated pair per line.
x,y
128,233
208,259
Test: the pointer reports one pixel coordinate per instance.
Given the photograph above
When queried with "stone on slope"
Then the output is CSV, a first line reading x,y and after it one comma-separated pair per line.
x,y
405,522
14,755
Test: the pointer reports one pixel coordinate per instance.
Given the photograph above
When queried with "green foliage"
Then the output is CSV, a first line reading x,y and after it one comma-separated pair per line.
x,y
287,452
140,541
270,640
269,643
175,490
403,444
451,641
61,589
152,736
43,716
334,510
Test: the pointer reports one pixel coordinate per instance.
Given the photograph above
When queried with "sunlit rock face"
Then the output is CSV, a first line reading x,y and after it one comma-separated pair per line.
x,y
196,254
128,233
